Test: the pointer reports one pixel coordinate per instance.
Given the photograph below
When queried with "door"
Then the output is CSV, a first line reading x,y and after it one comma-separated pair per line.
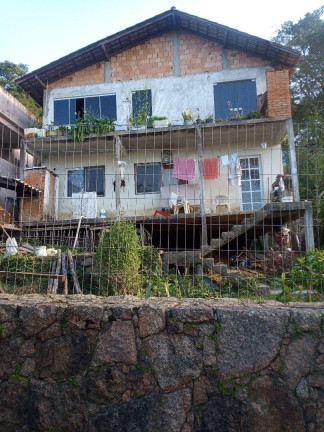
x,y
251,183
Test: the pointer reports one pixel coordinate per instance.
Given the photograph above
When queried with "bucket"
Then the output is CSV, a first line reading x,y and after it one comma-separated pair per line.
x,y
40,251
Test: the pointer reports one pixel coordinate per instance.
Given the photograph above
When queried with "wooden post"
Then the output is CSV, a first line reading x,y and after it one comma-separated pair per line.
x,y
292,158
204,241
74,276
309,229
117,158
22,159
64,271
57,271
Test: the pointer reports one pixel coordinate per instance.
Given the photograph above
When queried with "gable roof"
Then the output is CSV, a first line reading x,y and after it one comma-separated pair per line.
x,y
173,19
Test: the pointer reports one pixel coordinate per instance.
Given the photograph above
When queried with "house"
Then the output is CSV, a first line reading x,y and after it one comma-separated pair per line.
x,y
223,171
14,118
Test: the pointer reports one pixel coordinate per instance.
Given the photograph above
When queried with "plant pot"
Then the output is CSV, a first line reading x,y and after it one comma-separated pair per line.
x,y
160,123
209,121
139,127
188,122
198,121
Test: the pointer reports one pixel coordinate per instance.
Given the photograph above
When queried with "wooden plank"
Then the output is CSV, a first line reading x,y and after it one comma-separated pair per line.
x,y
73,272
64,271
44,275
57,271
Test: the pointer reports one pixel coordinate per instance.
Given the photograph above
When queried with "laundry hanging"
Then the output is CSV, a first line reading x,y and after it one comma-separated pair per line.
x,y
184,169
211,168
234,171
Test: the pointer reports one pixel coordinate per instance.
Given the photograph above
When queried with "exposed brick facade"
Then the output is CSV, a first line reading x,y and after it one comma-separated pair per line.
x,y
152,59
278,93
32,207
238,59
94,74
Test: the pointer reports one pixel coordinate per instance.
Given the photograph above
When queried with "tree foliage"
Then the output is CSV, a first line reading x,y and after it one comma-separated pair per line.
x,y
9,72
307,37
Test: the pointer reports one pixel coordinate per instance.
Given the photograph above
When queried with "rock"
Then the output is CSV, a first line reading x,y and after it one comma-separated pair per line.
x,y
193,314
199,392
248,339
13,401
103,384
262,290
306,320
161,413
56,406
222,413
9,360
151,319
302,389
273,408
116,344
27,368
316,381
63,357
174,359
33,319
297,358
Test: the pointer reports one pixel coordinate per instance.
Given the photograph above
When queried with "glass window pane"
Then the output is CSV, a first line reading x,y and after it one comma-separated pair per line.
x,y
148,178
142,103
61,112
108,107
245,186
246,197
256,196
255,184
255,174
245,175
75,181
95,180
254,162
92,106
244,163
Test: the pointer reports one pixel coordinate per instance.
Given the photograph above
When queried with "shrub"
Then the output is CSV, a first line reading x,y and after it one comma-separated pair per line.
x,y
118,260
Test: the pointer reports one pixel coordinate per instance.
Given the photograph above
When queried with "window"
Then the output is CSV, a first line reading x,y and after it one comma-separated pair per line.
x,y
148,178
67,110
251,183
142,105
86,179
234,98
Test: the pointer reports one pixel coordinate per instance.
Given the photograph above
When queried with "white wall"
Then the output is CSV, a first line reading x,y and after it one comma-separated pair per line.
x,y
170,96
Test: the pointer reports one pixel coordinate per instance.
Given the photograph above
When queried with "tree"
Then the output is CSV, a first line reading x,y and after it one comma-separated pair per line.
x,y
9,72
307,37
307,91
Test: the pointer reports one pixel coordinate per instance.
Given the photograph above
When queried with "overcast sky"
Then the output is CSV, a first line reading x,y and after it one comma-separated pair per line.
x,y
36,32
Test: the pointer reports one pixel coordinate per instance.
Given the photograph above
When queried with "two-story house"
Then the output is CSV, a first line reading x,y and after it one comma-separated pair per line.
x,y
218,172
14,118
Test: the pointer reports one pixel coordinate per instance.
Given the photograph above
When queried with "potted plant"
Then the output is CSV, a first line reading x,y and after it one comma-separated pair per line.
x,y
209,118
160,122
187,117
198,118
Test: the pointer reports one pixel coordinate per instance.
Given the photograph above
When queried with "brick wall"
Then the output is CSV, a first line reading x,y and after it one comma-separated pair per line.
x,y
199,55
238,59
94,74
32,207
278,93
152,59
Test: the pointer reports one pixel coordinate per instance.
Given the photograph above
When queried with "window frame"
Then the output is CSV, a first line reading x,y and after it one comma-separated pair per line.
x,y
70,109
136,176
84,169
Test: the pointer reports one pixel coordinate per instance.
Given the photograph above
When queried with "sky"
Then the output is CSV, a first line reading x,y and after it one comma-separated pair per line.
x,y
37,32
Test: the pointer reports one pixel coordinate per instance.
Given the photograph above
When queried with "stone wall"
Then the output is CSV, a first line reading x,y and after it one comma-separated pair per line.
x,y
122,364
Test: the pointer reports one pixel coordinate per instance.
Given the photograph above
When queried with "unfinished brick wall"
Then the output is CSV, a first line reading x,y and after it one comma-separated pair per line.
x,y
94,74
278,93
199,55
152,59
238,59
32,207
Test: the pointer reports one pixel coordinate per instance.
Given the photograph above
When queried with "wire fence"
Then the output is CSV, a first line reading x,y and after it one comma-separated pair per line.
x,y
228,209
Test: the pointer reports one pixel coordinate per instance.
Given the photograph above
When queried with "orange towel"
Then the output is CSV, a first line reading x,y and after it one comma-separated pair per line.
x,y
211,171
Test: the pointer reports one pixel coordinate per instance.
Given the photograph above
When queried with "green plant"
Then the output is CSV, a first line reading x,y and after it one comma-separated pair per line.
x,y
89,124
73,382
118,260
252,115
187,115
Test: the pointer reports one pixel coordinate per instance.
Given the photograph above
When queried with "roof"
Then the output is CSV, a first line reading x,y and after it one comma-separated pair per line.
x,y
19,186
173,19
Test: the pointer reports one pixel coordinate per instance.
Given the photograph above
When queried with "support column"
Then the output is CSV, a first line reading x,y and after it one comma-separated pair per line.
x,y
117,158
292,158
22,159
204,241
309,229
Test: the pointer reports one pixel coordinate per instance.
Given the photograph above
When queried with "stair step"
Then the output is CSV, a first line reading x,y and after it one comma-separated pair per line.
x,y
227,235
221,269
216,243
208,262
233,274
237,228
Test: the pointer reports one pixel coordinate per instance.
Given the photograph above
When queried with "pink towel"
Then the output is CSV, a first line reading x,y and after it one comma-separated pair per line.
x,y
184,169
211,171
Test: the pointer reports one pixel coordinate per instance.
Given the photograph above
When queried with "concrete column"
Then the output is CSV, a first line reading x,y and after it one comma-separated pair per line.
x,y
22,159
309,229
292,158
117,157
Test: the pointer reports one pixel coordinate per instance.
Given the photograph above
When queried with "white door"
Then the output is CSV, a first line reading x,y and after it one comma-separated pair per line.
x,y
251,183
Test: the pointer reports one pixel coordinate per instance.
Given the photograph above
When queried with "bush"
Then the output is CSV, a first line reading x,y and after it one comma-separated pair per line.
x,y
118,260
